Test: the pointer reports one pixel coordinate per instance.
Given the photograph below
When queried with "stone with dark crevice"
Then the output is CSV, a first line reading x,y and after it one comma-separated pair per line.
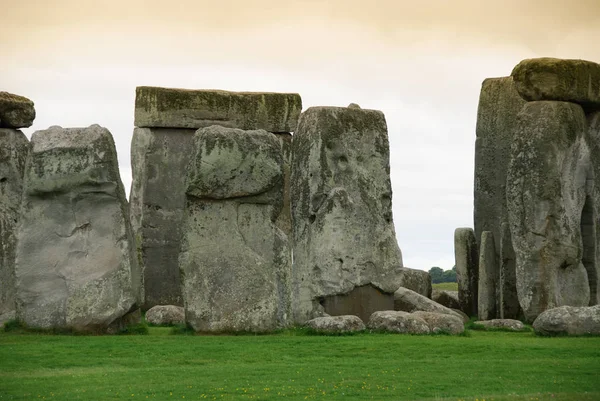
x,y
361,301
15,111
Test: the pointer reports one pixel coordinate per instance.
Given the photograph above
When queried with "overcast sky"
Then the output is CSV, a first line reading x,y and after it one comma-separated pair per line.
x,y
420,62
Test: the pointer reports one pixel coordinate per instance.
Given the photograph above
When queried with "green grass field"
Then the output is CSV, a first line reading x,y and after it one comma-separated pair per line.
x,y
479,366
446,286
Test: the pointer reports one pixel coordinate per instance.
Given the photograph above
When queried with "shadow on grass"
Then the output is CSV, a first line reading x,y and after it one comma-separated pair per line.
x,y
15,326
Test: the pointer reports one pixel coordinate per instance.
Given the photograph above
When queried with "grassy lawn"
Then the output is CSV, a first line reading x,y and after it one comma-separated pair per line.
x,y
446,286
483,366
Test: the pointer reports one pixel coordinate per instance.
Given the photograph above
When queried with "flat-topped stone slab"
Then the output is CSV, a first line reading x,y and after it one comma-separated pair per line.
x,y
15,111
576,81
185,108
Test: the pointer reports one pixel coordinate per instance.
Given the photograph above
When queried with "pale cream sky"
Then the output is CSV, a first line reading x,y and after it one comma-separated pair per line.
x,y
420,62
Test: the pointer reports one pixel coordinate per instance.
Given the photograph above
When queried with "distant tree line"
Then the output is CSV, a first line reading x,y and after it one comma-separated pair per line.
x,y
438,275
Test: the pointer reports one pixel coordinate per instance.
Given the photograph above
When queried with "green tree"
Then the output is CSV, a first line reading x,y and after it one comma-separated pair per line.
x,y
437,274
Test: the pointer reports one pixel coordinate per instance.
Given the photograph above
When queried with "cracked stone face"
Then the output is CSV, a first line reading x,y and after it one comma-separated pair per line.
x,y
341,208
74,263
234,259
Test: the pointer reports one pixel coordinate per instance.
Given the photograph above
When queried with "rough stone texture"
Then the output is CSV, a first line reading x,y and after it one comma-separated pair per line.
x,y
234,260
508,300
183,108
573,321
5,317
75,266
488,276
14,148
449,299
159,159
465,318
284,221
337,324
590,226
467,270
441,322
409,301
576,81
165,314
509,324
417,280
398,322
499,104
342,211
362,301
548,194
15,111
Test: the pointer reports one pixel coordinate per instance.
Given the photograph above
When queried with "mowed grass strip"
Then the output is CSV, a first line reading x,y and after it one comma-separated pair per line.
x,y
483,366
445,286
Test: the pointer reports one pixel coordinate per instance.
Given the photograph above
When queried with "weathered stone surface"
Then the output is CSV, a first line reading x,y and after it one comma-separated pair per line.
x,y
15,111
576,81
488,277
336,324
467,271
548,200
182,108
449,299
509,324
417,280
343,229
465,318
234,260
499,104
165,314
284,221
398,322
14,148
441,322
159,159
590,228
75,266
409,301
573,321
362,300
508,302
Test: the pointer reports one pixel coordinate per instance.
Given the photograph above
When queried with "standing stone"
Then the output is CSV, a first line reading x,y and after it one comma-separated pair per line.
x,y
499,104
508,300
467,270
14,148
590,226
576,81
234,260
284,221
15,111
547,196
75,266
159,158
344,235
183,108
488,273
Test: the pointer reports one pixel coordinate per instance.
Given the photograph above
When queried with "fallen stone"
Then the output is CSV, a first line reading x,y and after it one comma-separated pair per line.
x,y
547,202
467,270
441,322
449,299
165,314
336,324
409,301
234,260
576,81
159,159
75,266
465,318
397,322
344,236
417,280
15,111
569,320
14,149
509,324
488,277
182,108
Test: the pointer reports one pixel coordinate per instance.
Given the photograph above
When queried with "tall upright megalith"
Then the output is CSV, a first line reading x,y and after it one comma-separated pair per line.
x,y
499,104
75,266
466,260
235,261
590,224
162,147
14,149
547,191
344,237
